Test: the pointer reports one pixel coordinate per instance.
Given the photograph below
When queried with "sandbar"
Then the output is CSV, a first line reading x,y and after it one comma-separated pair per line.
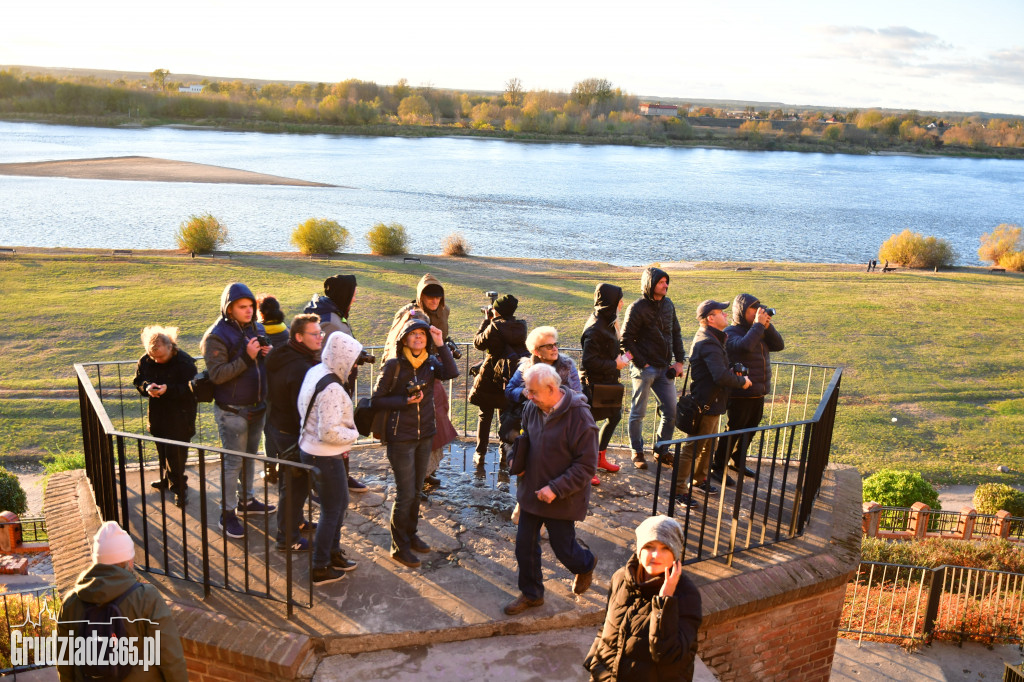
x,y
147,168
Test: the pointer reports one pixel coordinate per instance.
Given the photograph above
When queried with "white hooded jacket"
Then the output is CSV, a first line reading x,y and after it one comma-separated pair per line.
x,y
330,429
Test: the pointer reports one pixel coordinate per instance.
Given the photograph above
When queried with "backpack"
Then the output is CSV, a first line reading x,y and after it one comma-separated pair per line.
x,y
202,387
106,621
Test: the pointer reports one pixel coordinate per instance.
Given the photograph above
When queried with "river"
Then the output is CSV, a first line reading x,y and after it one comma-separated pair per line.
x,y
616,204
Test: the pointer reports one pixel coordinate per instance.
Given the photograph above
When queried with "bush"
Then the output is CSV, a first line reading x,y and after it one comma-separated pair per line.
x,y
1000,243
12,495
991,497
320,235
1013,261
899,488
387,240
201,234
455,245
912,250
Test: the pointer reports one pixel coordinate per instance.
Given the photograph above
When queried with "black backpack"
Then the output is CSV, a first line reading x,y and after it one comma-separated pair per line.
x,y
106,621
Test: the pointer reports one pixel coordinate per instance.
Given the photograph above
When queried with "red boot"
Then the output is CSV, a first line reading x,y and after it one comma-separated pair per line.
x,y
603,463
595,480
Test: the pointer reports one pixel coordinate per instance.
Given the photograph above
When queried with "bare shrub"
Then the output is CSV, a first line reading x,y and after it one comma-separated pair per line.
x,y
1002,242
913,250
455,245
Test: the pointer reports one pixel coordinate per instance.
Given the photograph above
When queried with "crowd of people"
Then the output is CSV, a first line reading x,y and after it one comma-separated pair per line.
x,y
293,388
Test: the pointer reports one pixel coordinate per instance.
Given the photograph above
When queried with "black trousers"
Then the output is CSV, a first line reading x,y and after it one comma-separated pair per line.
x,y
172,465
483,430
744,413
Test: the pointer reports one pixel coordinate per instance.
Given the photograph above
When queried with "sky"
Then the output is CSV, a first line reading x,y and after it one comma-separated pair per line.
x,y
929,56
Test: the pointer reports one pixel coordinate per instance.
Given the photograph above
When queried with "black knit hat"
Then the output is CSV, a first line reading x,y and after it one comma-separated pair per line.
x,y
270,310
340,289
506,305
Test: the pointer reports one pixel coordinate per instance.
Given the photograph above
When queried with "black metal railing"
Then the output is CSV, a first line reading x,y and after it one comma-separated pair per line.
x,y
33,613
27,528
185,542
789,460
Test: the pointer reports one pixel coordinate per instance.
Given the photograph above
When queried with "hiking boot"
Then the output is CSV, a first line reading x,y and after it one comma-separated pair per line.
x,y
432,481
342,562
300,545
327,574
720,477
417,545
406,558
520,604
638,460
230,524
581,581
254,505
355,486
603,463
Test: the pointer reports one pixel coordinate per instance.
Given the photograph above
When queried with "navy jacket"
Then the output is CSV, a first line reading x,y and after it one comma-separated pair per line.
x,y
751,345
709,369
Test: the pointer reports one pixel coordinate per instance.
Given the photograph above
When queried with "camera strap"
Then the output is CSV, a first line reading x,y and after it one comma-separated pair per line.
x,y
325,381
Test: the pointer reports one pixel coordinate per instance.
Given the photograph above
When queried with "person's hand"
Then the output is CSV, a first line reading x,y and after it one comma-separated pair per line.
x,y
762,317
747,383
668,588
413,399
546,494
253,348
156,390
621,361
437,336
266,349
678,367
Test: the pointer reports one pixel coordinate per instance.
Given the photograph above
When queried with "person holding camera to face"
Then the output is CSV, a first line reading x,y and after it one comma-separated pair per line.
x,y
711,380
750,340
405,389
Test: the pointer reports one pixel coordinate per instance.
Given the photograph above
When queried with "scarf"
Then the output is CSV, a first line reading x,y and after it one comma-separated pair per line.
x,y
275,328
416,362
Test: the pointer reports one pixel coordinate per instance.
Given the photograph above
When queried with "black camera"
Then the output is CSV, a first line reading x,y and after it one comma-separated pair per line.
x,y
263,339
770,311
454,348
365,358
414,387
740,368
493,295
671,373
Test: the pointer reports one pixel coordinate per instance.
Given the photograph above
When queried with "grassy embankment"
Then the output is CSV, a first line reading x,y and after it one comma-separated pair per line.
x,y
940,352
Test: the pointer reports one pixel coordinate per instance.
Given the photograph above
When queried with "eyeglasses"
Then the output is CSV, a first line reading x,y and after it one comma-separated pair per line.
x,y
548,346
319,334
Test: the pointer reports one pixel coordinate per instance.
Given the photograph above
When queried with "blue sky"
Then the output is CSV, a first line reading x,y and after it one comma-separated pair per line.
x,y
947,56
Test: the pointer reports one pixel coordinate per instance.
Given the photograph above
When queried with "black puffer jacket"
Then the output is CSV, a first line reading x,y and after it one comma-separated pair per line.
x,y
646,637
504,340
411,421
751,344
286,368
599,341
173,414
650,330
709,369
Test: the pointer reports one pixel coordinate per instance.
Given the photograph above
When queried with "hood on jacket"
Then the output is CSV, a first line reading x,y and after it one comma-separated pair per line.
x,y
439,317
340,289
234,292
576,400
410,325
606,300
339,353
102,583
739,308
651,276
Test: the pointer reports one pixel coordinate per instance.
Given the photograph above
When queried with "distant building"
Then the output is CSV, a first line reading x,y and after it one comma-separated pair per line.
x,y
191,88
659,109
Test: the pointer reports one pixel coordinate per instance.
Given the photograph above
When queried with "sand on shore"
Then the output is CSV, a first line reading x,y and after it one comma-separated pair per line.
x,y
148,169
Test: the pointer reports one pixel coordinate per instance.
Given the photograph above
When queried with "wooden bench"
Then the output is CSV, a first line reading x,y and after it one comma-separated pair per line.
x,y
743,269
990,269
410,259
320,256
7,249
888,269
121,252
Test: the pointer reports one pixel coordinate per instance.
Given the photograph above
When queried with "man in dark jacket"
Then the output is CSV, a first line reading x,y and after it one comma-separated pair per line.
x,y
711,379
235,360
749,340
554,484
650,334
286,368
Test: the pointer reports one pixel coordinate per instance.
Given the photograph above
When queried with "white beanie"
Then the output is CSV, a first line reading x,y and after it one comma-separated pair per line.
x,y
112,545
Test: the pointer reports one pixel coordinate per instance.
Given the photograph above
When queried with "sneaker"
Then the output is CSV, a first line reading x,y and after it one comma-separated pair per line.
x,y
355,486
327,574
308,527
300,545
160,484
342,562
638,460
687,501
417,545
521,603
254,505
747,471
406,558
581,581
230,524
707,487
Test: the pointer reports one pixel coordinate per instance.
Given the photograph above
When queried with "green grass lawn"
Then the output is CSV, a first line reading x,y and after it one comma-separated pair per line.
x,y
940,352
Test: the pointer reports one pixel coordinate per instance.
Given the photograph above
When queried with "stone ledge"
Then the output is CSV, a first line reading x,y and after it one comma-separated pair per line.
x,y
72,519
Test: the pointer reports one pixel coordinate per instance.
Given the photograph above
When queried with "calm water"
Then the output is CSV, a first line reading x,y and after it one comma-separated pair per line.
x,y
623,205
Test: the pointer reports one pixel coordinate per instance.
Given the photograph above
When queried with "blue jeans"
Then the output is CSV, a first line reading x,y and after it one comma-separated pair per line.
x,y
561,536
239,433
292,487
333,504
644,381
409,460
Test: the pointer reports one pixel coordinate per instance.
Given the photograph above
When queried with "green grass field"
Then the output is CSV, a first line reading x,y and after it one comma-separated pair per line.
x,y
940,352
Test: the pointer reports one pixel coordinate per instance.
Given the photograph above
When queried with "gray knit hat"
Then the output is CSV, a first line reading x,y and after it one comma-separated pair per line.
x,y
663,529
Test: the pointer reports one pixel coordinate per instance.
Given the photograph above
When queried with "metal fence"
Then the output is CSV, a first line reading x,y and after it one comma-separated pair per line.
x,y
27,528
893,601
951,523
33,612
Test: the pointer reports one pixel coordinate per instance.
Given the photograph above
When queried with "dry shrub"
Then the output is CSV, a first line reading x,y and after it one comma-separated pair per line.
x,y
455,245
913,250
201,234
1013,261
1002,245
320,235
387,240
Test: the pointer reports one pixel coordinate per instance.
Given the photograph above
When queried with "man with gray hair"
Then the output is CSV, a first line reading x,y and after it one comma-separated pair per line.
x,y
554,483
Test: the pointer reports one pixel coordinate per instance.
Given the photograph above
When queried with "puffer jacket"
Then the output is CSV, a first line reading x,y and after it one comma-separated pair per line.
x,y
286,369
102,583
331,319
414,421
650,329
564,365
751,344
563,455
437,318
504,341
173,414
599,341
238,379
709,369
330,429
646,637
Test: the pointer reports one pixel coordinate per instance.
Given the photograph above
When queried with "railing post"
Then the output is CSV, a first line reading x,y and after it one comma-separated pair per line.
x,y
919,520
1003,523
934,596
872,518
965,526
